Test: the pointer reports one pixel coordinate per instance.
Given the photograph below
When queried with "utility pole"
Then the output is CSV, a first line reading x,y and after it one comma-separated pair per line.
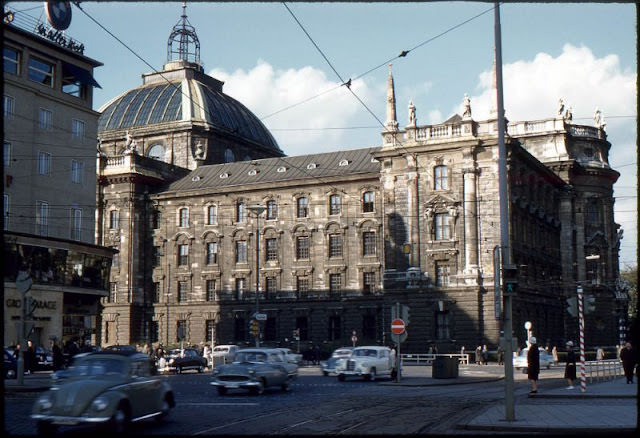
x,y
23,285
257,210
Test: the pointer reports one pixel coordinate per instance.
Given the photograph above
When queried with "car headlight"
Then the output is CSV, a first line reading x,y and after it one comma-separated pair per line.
x,y
44,403
100,403
252,372
171,361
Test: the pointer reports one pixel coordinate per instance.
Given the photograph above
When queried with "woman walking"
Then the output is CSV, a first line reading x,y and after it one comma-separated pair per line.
x,y
570,367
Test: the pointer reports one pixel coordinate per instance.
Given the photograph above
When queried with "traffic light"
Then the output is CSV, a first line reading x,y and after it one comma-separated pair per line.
x,y
405,314
510,278
589,303
572,306
254,327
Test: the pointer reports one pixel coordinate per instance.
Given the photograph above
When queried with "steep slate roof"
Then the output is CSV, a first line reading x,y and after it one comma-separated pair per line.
x,y
295,168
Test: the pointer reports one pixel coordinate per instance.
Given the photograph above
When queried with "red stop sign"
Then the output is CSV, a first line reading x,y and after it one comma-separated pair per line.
x,y
397,326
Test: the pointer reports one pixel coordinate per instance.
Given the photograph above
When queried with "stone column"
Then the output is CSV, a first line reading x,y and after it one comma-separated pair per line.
x,y
470,211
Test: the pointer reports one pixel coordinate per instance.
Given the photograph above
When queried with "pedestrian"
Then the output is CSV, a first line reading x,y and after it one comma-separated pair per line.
x,y
500,355
30,358
570,367
485,355
533,364
478,355
206,353
554,353
58,357
600,354
629,360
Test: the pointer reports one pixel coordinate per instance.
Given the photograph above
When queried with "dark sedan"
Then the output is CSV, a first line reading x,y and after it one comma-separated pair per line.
x,y
10,365
182,359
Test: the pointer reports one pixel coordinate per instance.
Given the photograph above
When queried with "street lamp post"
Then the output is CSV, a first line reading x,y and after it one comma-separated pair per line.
x,y
257,210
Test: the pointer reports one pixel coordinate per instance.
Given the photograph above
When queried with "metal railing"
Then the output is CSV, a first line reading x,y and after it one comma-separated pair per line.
x,y
597,370
427,358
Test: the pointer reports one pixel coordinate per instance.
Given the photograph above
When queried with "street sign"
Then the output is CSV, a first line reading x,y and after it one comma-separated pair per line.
x,y
260,316
397,326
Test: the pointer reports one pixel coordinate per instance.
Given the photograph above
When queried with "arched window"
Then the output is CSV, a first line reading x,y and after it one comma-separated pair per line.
x,y
156,152
368,199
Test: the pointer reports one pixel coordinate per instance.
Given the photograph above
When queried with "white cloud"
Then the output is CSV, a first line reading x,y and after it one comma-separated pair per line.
x,y
306,127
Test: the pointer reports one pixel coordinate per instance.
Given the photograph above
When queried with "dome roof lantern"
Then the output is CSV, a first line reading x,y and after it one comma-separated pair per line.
x,y
183,45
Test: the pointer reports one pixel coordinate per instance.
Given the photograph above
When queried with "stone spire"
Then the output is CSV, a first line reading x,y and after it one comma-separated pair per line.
x,y
392,122
186,42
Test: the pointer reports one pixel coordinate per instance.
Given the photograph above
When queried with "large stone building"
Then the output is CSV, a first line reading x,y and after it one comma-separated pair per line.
x,y
49,183
205,210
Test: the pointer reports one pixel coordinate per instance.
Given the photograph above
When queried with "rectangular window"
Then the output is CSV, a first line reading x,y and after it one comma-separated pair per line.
x,y
113,292
335,245
440,179
212,253
302,248
11,60
441,226
369,282
8,107
44,163
271,250
154,331
211,290
183,255
181,330
156,217
302,207
114,219
241,251
335,204
335,284
76,224
157,256
272,210
270,286
210,328
368,243
442,325
6,211
115,261
335,328
241,212
77,170
442,274
368,202
302,285
302,324
77,128
184,217
240,288
182,291
42,218
7,153
368,326
212,214
71,83
156,292
45,119
41,71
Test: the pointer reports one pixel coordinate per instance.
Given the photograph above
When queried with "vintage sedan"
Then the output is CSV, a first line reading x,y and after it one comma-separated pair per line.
x,y
329,366
369,362
111,388
520,361
183,359
255,369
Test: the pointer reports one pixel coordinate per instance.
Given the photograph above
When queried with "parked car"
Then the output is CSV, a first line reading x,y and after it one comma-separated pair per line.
x,y
290,356
329,366
44,358
255,369
520,361
10,365
110,388
183,359
223,354
369,362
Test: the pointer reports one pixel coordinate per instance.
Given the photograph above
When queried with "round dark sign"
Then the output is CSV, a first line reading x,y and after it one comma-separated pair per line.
x,y
58,14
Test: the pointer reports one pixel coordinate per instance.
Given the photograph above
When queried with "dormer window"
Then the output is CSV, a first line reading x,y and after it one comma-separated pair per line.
x,y
282,169
343,163
252,172
224,175
311,166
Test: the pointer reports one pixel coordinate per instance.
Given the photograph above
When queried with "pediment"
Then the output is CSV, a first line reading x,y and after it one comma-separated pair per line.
x,y
440,200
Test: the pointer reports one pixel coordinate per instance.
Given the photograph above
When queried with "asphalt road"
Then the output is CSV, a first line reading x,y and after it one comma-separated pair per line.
x,y
316,405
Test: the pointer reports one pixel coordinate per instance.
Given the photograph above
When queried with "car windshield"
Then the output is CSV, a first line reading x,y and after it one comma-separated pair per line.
x,y
221,349
97,367
251,356
365,352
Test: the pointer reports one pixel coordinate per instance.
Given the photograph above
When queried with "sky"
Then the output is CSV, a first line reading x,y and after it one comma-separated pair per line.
x,y
286,61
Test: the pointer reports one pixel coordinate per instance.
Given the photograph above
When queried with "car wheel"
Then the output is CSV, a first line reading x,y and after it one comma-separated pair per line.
x,y
46,428
371,376
286,386
165,409
222,390
394,374
201,369
324,373
120,420
548,366
10,374
258,389
178,370
341,377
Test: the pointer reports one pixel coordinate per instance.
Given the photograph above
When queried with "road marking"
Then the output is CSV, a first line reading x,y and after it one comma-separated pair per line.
x,y
220,404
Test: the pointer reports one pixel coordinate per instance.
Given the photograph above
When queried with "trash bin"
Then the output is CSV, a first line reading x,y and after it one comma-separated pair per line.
x,y
445,367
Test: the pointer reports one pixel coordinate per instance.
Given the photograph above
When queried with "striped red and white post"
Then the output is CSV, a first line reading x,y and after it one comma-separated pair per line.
x,y
583,377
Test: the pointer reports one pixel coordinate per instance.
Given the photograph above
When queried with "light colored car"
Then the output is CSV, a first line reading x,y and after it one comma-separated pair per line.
x,y
222,354
290,356
520,361
329,366
369,362
110,388
255,369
